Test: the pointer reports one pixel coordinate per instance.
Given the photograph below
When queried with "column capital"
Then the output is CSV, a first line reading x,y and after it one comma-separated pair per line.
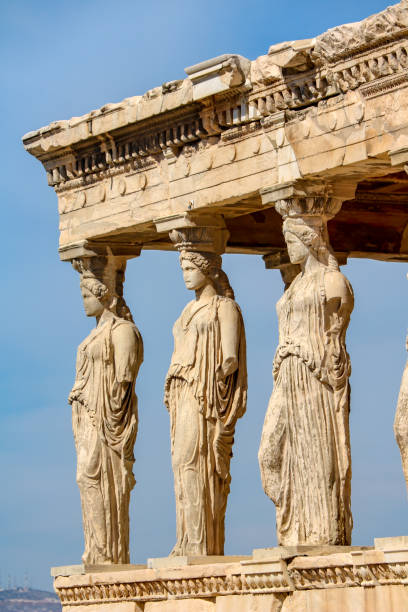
x,y
93,248
399,157
308,197
194,232
106,268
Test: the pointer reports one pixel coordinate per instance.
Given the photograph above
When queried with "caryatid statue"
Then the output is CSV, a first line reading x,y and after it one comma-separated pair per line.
x,y
401,421
104,410
205,392
304,454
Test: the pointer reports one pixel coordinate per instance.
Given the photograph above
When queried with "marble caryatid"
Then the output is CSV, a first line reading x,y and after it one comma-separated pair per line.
x,y
104,410
305,449
401,421
205,394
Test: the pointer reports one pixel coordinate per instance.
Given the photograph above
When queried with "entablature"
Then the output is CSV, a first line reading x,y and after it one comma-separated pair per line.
x,y
333,108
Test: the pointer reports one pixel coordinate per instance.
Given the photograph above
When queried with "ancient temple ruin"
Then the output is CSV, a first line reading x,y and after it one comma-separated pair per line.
x,y
314,134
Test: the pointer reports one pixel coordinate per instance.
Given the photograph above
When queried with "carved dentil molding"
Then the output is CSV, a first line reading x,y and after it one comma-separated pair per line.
x,y
132,136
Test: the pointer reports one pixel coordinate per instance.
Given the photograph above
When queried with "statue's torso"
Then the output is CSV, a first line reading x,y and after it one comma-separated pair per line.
x,y
300,309
306,330
192,324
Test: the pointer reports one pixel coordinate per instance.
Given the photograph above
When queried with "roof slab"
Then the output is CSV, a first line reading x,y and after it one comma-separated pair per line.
x,y
331,110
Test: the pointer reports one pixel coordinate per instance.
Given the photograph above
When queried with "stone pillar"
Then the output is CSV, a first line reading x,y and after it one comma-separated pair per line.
x,y
206,385
401,421
400,156
104,406
305,448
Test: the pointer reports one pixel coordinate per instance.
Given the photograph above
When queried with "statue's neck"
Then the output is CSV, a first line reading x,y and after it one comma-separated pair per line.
x,y
310,264
205,293
105,316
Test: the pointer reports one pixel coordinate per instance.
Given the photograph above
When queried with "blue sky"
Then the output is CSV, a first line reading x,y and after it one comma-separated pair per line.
x,y
64,58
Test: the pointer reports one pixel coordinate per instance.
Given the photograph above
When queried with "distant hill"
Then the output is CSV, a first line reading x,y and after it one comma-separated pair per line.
x,y
28,600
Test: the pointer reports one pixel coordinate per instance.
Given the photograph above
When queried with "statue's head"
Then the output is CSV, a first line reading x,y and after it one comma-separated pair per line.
x,y
102,285
307,236
203,268
306,213
95,296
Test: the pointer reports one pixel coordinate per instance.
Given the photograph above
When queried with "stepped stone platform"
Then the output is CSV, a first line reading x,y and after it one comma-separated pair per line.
x,y
281,579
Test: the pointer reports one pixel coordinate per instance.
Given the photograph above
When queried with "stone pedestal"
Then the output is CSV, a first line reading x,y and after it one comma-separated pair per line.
x,y
292,579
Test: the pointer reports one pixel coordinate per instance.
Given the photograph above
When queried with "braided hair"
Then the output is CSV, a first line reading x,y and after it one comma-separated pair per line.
x,y
315,237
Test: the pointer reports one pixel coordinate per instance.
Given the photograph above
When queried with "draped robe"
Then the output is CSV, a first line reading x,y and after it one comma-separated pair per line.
x,y
203,413
105,420
401,421
305,448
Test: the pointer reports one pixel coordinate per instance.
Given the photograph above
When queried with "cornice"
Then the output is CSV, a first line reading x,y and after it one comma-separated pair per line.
x,y
232,92
256,578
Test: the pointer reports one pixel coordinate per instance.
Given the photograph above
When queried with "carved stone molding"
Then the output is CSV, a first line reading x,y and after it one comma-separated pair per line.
x,y
273,575
223,93
218,75
331,109
344,40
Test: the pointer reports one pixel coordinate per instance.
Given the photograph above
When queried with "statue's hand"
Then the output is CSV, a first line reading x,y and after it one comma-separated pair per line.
x,y
219,374
228,367
76,395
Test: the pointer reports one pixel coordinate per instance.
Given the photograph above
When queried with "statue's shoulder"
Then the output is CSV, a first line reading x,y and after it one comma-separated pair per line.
x,y
125,327
126,334
119,321
225,301
227,304
337,285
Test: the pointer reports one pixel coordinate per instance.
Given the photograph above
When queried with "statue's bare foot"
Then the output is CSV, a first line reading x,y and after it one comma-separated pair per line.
x,y
176,551
195,550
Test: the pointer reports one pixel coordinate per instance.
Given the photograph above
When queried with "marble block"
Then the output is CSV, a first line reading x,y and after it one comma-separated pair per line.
x,y
181,561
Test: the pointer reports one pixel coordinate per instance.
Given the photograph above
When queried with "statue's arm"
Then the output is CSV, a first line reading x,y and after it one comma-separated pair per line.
x,y
339,296
230,326
125,353
339,304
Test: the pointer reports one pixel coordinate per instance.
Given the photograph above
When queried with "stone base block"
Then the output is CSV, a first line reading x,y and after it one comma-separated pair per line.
x,y
343,579
285,552
172,562
73,570
181,605
126,606
249,603
393,598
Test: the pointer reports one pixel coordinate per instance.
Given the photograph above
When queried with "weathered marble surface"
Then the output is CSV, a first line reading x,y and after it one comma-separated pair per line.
x,y
205,394
104,411
401,421
334,106
222,142
357,580
304,454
